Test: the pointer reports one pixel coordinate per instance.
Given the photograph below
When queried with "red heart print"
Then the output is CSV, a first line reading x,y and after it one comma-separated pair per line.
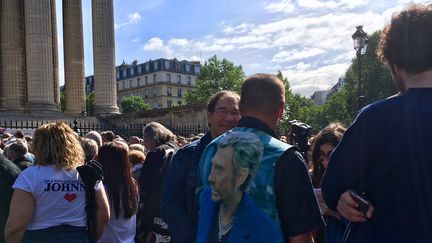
x,y
70,197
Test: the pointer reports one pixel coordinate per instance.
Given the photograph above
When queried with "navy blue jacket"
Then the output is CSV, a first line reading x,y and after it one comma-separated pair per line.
x,y
179,204
250,222
386,154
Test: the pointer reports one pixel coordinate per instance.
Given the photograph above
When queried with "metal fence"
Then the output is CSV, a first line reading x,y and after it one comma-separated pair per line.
x,y
124,130
186,131
81,127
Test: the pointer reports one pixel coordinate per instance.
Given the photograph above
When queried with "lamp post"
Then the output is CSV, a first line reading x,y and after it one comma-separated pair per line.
x,y
360,46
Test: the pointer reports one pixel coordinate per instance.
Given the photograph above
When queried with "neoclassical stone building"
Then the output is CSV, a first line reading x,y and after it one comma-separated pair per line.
x,y
29,60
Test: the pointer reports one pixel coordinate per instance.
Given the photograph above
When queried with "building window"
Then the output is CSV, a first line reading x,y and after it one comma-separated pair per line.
x,y
169,91
130,83
118,74
187,68
146,80
169,103
147,67
178,79
179,93
154,78
196,69
155,105
123,85
124,73
168,78
155,91
155,65
167,64
139,69
139,81
189,80
132,71
146,93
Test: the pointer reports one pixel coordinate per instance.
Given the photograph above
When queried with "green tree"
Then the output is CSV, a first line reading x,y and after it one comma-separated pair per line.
x,y
62,101
376,77
90,103
134,104
297,107
215,75
342,106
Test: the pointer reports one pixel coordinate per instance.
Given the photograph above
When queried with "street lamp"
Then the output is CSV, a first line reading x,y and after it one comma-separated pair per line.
x,y
360,46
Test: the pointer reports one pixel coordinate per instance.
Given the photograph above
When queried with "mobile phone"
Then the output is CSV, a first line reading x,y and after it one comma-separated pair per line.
x,y
361,200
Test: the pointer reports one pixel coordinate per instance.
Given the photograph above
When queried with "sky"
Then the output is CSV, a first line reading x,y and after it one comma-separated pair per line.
x,y
308,40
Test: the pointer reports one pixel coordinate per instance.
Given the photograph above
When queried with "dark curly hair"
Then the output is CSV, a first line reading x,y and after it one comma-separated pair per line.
x,y
407,40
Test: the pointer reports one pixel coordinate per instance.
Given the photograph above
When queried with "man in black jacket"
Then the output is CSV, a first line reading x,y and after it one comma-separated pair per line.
x,y
8,174
385,154
179,205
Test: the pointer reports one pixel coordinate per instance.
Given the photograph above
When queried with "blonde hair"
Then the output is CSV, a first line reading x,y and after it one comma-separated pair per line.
x,y
56,144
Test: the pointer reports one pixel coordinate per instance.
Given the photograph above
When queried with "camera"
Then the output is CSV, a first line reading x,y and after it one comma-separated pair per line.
x,y
300,132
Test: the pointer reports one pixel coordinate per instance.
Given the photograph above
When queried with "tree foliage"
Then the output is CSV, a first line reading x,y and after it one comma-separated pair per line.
x,y
376,77
134,104
90,103
62,101
215,75
342,106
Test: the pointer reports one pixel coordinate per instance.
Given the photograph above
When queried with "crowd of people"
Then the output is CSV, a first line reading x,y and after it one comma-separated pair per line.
x,y
239,182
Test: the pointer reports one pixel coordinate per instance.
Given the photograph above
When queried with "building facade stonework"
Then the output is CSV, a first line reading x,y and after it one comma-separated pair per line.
x,y
29,79
162,83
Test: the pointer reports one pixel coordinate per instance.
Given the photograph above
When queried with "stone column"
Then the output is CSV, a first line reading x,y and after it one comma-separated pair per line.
x,y
13,88
73,56
55,54
104,57
38,33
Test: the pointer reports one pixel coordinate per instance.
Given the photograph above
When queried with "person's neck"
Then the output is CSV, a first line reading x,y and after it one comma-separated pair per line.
x,y
270,121
229,207
214,134
420,80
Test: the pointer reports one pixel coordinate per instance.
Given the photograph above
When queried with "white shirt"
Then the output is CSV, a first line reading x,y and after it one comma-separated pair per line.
x,y
119,229
59,196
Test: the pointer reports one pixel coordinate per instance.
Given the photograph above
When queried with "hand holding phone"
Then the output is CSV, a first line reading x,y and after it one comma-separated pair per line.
x,y
363,203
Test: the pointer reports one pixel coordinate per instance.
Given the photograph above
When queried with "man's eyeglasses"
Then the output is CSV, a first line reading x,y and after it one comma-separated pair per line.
x,y
225,112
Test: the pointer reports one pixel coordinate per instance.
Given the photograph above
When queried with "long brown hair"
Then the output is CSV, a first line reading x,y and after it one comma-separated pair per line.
x,y
331,134
113,157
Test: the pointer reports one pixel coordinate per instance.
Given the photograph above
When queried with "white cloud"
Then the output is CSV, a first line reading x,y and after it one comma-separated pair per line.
x,y
136,40
310,44
133,18
178,42
239,29
285,6
295,54
154,43
341,4
321,77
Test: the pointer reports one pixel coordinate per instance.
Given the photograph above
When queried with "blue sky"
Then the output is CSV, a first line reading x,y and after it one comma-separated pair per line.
x,y
308,40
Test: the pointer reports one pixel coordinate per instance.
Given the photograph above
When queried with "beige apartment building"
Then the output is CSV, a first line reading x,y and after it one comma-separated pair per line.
x,y
162,83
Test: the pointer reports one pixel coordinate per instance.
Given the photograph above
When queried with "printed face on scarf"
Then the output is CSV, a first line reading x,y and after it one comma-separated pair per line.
x,y
221,177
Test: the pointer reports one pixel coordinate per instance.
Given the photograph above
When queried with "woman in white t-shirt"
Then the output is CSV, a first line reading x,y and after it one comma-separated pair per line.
x,y
122,193
48,204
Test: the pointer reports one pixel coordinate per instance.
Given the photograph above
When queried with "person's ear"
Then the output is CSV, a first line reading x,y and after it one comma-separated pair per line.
x,y
399,77
281,110
241,176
